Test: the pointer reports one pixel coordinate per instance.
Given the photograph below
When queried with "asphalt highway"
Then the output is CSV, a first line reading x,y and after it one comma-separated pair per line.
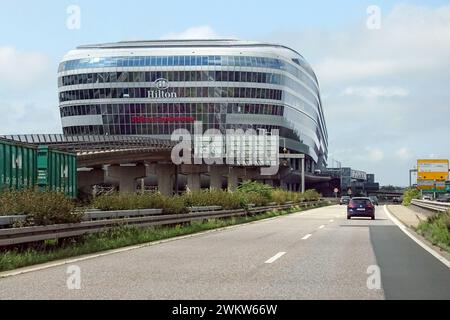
x,y
315,254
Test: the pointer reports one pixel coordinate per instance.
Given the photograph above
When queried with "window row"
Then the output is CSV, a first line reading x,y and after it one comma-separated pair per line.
x,y
187,76
142,109
147,61
152,129
193,92
151,76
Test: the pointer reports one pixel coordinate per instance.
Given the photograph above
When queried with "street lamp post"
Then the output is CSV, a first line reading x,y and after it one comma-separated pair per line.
x,y
434,189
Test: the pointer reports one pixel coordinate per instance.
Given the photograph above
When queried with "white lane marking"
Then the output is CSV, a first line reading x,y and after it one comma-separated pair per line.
x,y
416,240
275,257
72,260
322,226
307,236
331,220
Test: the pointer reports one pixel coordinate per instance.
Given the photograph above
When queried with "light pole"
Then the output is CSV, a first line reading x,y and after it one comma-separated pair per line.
x,y
434,189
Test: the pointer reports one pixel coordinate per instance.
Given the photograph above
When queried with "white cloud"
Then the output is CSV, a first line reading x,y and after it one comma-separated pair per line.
x,y
199,32
373,92
375,154
22,70
404,153
387,87
338,69
28,93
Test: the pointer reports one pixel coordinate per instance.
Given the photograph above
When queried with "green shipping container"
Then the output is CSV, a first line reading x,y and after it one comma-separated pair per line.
x,y
25,166
57,170
17,165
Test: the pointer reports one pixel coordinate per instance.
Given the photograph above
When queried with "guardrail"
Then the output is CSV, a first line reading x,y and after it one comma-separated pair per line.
x,y
432,205
92,215
14,236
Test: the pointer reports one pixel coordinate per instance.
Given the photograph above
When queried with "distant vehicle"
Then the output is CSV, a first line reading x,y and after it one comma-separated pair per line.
x,y
361,207
374,200
427,197
444,198
397,200
344,200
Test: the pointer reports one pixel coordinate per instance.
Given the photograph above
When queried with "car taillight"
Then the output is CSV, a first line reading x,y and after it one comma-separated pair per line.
x,y
351,205
370,206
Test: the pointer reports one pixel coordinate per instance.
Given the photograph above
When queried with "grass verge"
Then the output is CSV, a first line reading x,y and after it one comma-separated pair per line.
x,y
436,230
121,236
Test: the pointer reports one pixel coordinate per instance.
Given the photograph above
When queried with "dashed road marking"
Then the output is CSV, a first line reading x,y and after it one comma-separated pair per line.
x,y
275,257
322,226
307,236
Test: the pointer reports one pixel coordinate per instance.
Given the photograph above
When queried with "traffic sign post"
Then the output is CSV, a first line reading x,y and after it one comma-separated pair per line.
x,y
336,190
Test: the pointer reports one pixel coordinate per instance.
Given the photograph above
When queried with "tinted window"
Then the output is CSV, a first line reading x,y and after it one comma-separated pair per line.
x,y
361,201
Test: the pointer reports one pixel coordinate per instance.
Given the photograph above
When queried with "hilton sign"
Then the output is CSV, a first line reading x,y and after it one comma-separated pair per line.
x,y
161,92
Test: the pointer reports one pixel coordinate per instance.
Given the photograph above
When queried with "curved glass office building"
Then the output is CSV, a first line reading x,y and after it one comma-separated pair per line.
x,y
154,87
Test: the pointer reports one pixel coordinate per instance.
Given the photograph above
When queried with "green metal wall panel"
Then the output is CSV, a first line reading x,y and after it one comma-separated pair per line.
x,y
24,166
17,163
62,172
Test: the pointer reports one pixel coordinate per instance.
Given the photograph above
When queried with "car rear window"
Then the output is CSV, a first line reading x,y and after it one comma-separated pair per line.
x,y
361,201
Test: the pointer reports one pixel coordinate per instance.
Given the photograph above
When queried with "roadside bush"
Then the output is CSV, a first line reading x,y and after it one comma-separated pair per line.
x,y
134,201
281,196
122,201
437,230
409,194
41,208
311,195
9,204
227,200
253,198
248,193
256,187
174,205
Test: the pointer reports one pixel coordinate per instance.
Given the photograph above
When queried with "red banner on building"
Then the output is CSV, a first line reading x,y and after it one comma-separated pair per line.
x,y
161,119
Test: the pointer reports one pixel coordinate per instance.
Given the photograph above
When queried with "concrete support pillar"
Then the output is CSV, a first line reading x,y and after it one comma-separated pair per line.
x,y
215,180
233,177
216,172
193,173
87,179
165,174
127,175
193,181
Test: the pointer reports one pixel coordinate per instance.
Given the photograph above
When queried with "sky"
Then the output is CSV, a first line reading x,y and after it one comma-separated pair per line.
x,y
384,79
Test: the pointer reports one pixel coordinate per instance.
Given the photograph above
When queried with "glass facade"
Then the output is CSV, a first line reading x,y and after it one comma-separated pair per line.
x,y
119,95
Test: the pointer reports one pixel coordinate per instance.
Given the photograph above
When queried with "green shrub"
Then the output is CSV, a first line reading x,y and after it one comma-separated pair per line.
x,y
256,187
41,208
248,193
437,230
133,201
227,200
253,198
174,205
119,201
311,195
9,204
280,196
409,194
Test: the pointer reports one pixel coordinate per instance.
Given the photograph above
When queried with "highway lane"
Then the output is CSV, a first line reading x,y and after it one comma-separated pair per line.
x,y
316,254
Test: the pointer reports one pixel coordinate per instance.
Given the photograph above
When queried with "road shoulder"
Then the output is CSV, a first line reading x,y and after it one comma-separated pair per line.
x,y
408,220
